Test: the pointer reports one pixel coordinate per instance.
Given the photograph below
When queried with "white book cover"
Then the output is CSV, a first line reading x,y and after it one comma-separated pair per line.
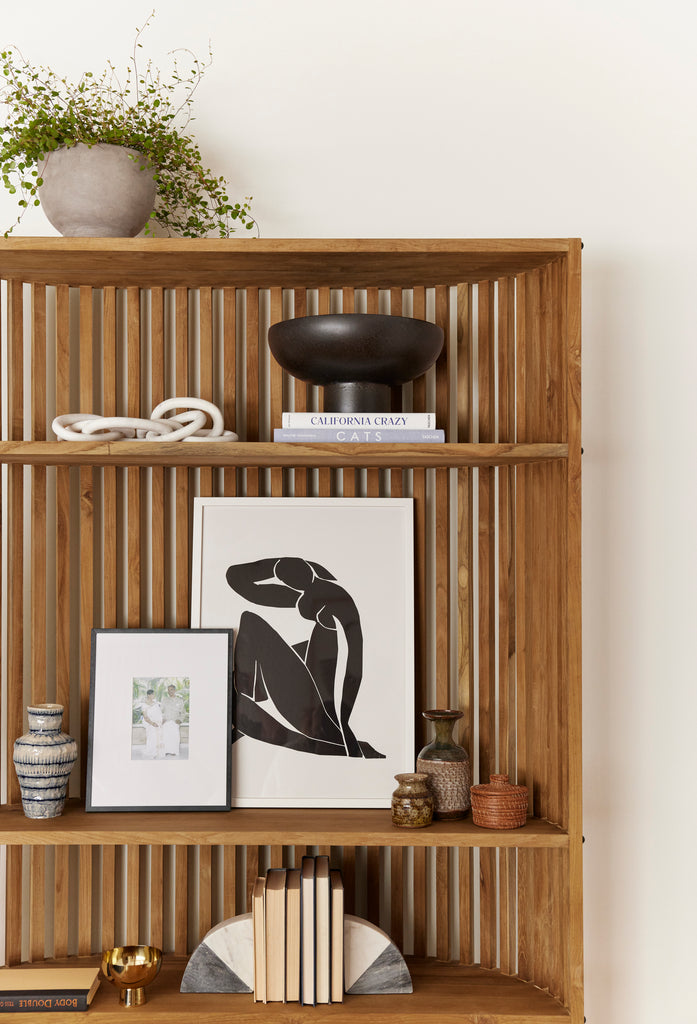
x,y
369,420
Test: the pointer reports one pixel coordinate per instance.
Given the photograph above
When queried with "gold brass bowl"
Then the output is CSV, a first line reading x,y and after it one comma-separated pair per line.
x,y
130,969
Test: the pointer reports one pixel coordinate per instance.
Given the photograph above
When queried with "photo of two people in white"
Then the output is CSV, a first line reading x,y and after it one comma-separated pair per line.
x,y
160,719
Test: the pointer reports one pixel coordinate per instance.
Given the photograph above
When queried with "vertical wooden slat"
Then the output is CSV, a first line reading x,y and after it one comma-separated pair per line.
x,y
465,906
487,592
506,519
87,478
229,881
397,896
37,919
324,482
13,906
134,474
420,902
206,357
229,404
442,587
205,876
419,385
252,873
181,474
38,499
15,641
301,390
373,884
61,897
108,901
84,939
442,368
132,894
62,521
15,332
252,397
63,349
252,342
275,371
526,914
525,310
465,602
86,351
156,936
109,473
555,502
442,907
506,610
348,870
544,554
521,479
507,910
544,918
181,890
420,608
86,602
301,397
157,473
396,303
560,888
535,561
572,607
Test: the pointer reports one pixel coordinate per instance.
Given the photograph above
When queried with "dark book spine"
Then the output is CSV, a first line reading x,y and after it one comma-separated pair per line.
x,y
42,1002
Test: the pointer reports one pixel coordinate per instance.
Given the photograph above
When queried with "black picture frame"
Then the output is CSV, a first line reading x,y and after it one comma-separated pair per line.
x,y
176,754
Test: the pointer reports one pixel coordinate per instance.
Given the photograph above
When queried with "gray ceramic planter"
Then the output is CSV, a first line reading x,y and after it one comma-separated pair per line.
x,y
96,191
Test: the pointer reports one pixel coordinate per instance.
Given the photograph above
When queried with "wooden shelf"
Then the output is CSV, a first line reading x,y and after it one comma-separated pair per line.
x,y
249,262
271,454
101,324
261,826
446,993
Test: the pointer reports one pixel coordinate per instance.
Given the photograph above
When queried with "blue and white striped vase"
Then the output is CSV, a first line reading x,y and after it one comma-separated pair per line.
x,y
43,759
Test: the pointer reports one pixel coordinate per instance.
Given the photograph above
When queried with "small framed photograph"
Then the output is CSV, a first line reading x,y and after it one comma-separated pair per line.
x,y
319,593
160,720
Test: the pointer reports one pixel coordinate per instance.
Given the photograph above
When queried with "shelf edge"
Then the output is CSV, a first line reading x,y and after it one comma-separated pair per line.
x,y
272,454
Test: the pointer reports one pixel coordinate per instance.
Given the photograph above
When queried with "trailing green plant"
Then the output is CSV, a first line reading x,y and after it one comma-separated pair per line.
x,y
142,111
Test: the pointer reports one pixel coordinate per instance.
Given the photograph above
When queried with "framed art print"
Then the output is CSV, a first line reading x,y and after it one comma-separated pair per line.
x,y
319,593
160,719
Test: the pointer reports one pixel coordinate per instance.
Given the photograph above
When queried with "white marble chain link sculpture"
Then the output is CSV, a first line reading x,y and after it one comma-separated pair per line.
x,y
185,426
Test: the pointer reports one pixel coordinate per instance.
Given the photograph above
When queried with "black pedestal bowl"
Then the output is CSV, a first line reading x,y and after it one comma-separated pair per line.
x,y
356,357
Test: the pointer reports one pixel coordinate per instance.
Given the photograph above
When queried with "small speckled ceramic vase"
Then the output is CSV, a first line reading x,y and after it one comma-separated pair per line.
x,y
412,802
448,767
43,760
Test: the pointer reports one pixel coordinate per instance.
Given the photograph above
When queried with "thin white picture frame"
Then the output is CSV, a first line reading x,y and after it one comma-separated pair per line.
x,y
360,553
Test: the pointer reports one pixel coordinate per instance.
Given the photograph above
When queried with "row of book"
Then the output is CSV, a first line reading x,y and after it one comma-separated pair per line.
x,y
359,428
298,920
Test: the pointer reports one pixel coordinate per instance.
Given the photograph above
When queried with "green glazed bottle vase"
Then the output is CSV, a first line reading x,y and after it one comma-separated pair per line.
x,y
447,765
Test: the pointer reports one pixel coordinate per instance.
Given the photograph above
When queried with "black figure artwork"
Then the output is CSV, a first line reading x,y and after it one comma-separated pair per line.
x,y
299,680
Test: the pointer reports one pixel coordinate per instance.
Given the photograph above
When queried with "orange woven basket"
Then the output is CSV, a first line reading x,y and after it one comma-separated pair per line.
x,y
499,804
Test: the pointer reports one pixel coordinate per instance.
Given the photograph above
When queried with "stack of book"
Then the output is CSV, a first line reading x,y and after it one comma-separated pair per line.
x,y
359,427
298,918
47,989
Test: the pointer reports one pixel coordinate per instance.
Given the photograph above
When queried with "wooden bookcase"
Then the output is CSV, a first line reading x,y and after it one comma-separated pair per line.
x,y
99,534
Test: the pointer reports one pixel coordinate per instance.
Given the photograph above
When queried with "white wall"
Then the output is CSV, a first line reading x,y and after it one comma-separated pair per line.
x,y
544,118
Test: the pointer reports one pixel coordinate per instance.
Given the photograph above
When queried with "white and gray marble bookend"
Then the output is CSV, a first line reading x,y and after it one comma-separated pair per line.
x,y
372,962
224,959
